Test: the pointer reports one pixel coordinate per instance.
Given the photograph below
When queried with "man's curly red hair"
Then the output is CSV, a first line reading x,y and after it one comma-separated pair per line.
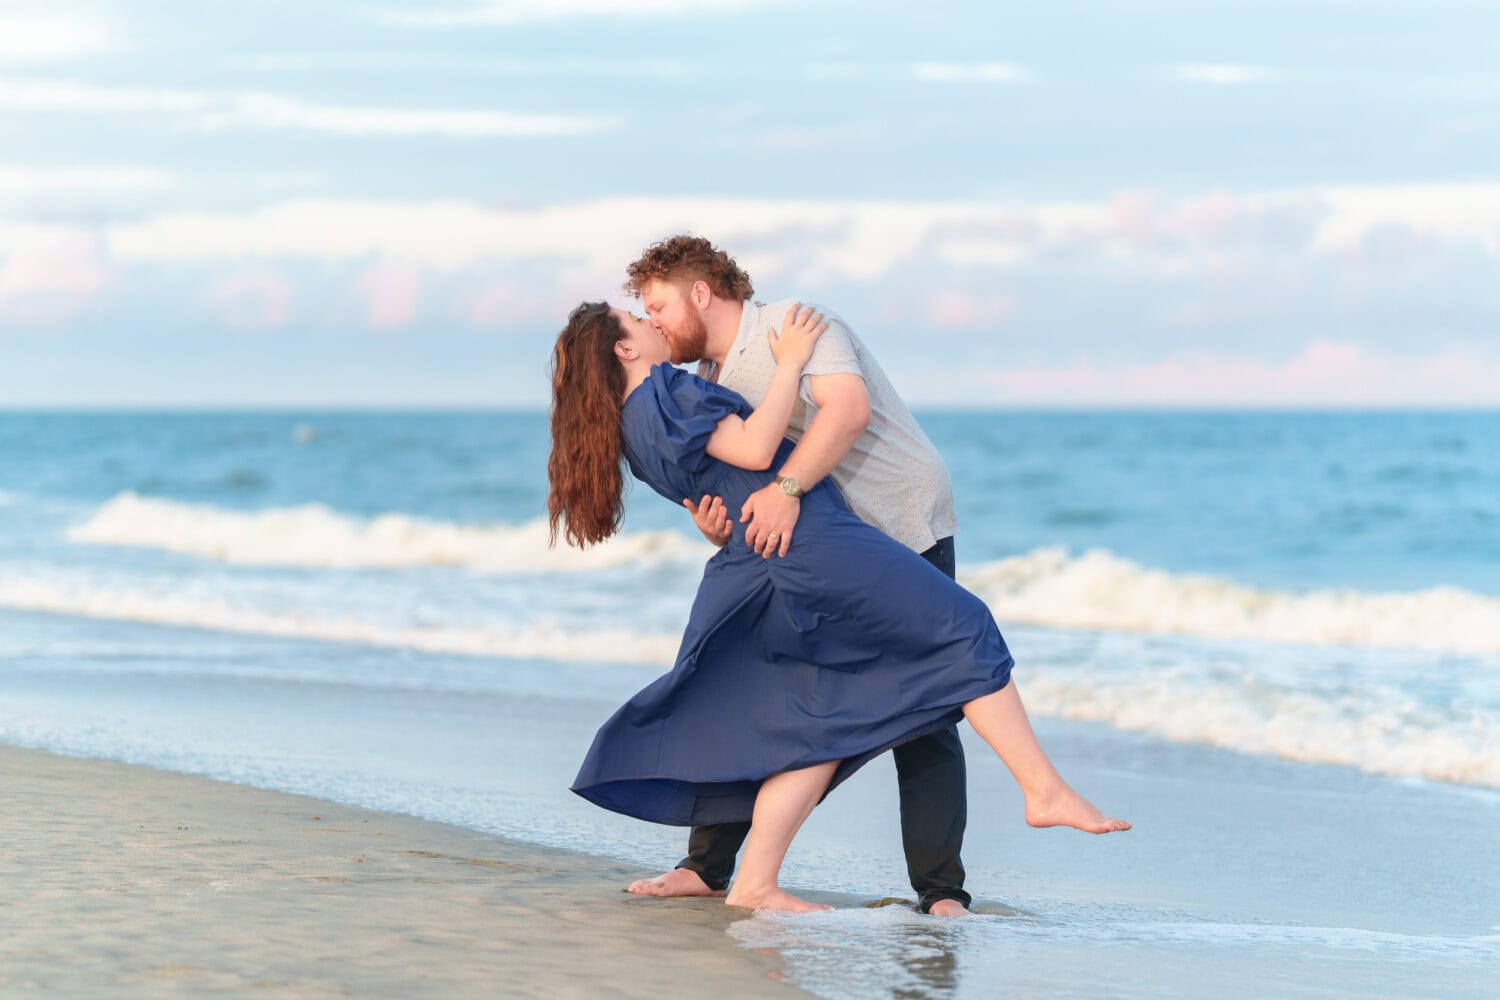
x,y
683,260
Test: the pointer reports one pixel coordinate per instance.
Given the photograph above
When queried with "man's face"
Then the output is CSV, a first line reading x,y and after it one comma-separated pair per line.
x,y
674,314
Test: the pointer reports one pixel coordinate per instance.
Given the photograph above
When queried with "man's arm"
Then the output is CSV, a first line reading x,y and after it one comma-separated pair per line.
x,y
843,414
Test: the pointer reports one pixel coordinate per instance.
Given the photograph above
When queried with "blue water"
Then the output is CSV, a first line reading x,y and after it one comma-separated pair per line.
x,y
1371,501
1324,587
1250,633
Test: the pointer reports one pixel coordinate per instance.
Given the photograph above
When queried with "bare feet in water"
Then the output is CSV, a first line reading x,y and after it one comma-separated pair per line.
x,y
1067,808
770,899
677,882
948,908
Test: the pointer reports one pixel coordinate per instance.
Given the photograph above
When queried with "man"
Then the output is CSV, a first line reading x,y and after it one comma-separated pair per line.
x,y
851,425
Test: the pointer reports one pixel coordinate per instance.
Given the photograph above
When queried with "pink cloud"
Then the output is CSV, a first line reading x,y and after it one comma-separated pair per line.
x,y
507,303
495,305
952,308
390,293
256,299
1209,216
1135,216
53,283
1323,373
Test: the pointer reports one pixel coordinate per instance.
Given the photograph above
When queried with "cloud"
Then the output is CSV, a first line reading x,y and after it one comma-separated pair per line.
x,y
272,111
73,180
53,280
1038,291
1324,373
21,94
218,111
253,299
1206,233
984,72
1468,211
35,38
958,309
637,67
390,293
983,253
1225,74
509,12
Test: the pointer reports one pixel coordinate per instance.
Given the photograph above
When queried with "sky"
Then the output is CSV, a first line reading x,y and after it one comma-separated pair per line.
x,y
1257,204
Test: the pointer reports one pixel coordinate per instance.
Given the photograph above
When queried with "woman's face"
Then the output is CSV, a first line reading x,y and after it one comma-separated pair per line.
x,y
650,346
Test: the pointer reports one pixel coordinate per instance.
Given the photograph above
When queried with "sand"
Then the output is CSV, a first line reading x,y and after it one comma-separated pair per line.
x,y
118,880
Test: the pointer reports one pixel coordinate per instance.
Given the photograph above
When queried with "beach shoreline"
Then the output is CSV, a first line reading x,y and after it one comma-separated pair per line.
x,y
130,881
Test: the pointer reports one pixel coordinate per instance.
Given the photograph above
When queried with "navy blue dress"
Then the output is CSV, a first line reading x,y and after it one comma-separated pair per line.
x,y
849,645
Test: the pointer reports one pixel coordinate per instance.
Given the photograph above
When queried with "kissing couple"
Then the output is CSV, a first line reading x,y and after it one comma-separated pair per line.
x,y
828,628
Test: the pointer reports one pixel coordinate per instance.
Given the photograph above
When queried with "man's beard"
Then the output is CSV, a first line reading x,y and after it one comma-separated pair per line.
x,y
689,341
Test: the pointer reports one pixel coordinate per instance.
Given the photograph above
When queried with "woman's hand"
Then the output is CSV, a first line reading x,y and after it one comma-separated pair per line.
x,y
799,333
712,518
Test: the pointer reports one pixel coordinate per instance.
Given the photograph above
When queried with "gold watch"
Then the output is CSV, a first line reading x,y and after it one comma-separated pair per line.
x,y
790,486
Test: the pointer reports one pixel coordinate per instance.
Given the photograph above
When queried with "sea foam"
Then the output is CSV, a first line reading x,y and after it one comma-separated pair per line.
x,y
1246,703
539,640
313,535
1047,586
1378,730
1101,590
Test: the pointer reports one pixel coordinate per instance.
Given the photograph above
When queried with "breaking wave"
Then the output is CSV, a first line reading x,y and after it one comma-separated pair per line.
x,y
1047,586
1100,590
537,641
1379,731
313,535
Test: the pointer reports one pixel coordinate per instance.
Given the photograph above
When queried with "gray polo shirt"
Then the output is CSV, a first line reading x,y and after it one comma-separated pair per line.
x,y
892,478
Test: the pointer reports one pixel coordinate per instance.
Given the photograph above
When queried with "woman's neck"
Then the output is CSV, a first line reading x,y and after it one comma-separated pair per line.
x,y
635,374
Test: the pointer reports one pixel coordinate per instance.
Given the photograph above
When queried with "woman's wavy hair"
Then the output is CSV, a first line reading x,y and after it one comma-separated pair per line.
x,y
584,470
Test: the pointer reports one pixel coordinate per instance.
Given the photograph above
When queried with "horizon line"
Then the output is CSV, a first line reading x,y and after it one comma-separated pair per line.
x,y
111,408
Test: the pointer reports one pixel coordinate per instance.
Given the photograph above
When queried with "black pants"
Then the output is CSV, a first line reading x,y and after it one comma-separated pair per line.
x,y
934,808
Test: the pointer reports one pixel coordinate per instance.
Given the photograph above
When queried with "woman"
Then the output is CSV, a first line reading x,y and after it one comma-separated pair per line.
x,y
793,671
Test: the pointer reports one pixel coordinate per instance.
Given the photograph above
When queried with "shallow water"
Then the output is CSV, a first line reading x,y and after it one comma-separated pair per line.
x,y
1241,867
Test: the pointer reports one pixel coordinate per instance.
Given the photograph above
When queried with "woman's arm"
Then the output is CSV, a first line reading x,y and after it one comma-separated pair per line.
x,y
751,442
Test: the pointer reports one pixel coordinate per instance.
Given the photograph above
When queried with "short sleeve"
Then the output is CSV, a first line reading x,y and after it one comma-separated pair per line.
x,y
834,354
688,409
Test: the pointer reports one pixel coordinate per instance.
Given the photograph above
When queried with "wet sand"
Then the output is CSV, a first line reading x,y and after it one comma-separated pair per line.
x,y
126,881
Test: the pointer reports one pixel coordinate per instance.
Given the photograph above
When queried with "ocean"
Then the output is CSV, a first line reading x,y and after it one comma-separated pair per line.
x,y
364,606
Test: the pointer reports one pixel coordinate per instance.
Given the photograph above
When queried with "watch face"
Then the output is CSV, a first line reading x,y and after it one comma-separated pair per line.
x,y
791,487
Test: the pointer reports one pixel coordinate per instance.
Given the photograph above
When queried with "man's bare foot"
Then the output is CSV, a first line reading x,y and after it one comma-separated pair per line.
x,y
1067,808
948,908
677,882
770,899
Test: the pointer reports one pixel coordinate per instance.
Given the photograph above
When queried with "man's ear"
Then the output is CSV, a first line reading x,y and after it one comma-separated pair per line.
x,y
701,294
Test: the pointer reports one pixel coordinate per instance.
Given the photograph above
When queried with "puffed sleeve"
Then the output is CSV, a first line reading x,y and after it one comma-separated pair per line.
x,y
689,409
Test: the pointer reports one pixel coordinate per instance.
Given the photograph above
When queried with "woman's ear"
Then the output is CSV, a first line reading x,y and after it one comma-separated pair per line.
x,y
624,351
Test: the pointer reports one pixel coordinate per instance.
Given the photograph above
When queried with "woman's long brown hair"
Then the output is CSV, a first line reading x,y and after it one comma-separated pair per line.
x,y
584,469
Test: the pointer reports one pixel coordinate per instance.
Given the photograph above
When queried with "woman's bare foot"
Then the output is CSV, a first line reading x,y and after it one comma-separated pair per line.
x,y
948,908
677,882
1067,808
770,899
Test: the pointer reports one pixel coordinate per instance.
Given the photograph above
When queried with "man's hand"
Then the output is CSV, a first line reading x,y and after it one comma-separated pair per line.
x,y
711,518
772,516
